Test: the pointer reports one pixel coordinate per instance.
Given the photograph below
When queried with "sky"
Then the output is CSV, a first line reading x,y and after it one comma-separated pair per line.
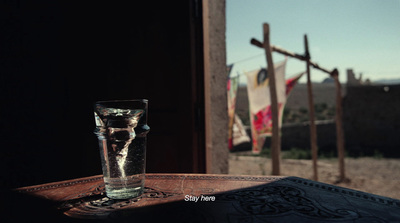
x,y
363,35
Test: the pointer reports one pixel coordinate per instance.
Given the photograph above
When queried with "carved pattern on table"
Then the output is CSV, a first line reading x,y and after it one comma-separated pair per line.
x,y
96,189
266,202
345,191
101,206
270,201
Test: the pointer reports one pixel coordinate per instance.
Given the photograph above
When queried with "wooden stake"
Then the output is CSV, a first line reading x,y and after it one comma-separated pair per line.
x,y
339,127
313,129
275,140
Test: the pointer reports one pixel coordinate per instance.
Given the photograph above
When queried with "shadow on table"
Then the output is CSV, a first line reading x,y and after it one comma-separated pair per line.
x,y
19,207
290,199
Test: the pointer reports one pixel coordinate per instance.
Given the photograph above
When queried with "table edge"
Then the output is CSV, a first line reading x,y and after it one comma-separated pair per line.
x,y
167,176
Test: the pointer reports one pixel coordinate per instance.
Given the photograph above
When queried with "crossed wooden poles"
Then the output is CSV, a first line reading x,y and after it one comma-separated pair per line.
x,y
275,140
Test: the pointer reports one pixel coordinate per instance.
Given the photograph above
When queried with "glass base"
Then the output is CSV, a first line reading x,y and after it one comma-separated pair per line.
x,y
124,188
124,193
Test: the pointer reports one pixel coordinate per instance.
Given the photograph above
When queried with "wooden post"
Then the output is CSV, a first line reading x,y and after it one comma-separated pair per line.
x,y
275,140
313,129
339,127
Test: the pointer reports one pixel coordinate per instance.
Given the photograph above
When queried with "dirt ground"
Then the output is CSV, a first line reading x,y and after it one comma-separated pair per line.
x,y
372,175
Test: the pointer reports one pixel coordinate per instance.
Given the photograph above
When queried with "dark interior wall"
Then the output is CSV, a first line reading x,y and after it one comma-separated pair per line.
x,y
58,58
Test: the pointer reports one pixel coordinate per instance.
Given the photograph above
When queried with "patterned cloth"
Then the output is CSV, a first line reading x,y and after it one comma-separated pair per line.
x,y
260,102
232,91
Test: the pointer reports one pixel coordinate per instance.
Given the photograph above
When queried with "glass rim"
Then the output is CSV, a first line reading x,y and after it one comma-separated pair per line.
x,y
128,100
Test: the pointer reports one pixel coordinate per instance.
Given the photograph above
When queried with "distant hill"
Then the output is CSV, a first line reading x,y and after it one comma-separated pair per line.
x,y
387,81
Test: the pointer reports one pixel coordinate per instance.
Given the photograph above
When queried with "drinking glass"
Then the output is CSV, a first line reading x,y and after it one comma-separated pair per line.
x,y
121,128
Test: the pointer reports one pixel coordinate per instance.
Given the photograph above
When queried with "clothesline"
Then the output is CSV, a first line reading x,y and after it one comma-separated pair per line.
x,y
238,74
244,60
243,73
248,58
315,65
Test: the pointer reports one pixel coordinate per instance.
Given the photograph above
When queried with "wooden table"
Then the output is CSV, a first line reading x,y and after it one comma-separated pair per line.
x,y
211,198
